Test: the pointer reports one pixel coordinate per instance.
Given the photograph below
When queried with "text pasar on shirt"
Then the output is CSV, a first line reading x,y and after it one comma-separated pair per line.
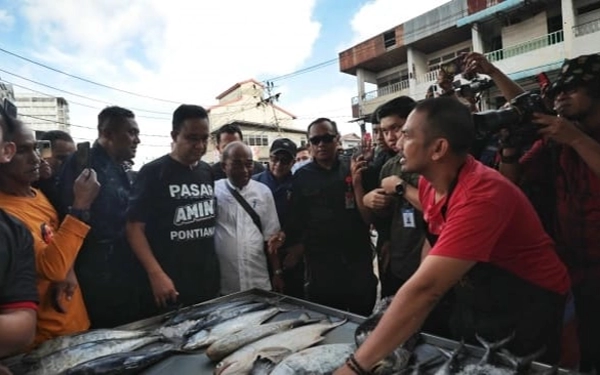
x,y
488,219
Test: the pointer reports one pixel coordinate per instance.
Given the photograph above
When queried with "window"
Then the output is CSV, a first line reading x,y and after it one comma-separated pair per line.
x,y
303,142
389,39
258,140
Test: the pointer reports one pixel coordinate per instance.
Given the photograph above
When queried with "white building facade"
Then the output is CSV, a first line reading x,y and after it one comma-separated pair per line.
x,y
43,113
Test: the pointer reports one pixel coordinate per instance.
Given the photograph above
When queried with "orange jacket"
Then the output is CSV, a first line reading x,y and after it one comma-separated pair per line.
x,y
56,246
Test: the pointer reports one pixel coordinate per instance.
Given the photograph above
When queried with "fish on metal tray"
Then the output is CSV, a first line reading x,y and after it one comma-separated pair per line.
x,y
220,316
318,360
199,311
125,363
72,356
419,368
229,344
491,348
177,330
522,364
451,365
275,347
401,356
63,342
208,336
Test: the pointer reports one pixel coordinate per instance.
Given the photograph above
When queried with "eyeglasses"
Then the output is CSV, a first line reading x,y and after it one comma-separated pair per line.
x,y
284,159
317,139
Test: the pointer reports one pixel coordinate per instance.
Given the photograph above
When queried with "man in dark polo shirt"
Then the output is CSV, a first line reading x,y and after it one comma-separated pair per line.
x,y
329,225
279,179
225,135
18,292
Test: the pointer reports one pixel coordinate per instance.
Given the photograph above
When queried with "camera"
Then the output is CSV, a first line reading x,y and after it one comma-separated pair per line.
x,y
475,86
516,119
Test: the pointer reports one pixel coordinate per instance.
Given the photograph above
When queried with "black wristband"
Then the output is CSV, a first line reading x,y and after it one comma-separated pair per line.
x,y
355,366
81,215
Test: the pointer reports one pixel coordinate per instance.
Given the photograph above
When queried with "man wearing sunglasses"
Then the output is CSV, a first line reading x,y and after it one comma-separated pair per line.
x,y
278,177
329,225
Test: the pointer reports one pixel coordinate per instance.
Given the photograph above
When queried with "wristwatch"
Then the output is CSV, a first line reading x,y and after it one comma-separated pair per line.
x,y
83,215
401,188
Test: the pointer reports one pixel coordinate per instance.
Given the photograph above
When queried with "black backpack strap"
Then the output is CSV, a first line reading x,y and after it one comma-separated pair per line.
x,y
246,206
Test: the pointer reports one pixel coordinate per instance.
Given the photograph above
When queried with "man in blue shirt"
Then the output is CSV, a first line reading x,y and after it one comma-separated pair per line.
x,y
278,177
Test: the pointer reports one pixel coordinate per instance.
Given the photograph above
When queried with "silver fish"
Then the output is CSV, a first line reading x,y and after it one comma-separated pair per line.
x,y
124,363
491,348
321,359
275,347
208,336
229,344
199,311
450,366
70,357
220,316
63,342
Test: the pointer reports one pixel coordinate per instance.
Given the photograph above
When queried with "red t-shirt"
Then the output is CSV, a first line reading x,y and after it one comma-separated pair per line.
x,y
488,219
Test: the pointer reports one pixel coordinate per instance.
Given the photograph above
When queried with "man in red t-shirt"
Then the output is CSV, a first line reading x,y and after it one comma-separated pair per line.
x,y
487,243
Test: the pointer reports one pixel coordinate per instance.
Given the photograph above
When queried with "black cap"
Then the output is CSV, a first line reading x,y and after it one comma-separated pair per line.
x,y
579,71
283,144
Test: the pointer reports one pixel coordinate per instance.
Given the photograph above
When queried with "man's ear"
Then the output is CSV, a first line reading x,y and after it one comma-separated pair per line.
x,y
7,151
174,135
440,148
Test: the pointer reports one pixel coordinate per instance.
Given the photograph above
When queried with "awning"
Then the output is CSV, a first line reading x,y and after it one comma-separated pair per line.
x,y
489,12
535,71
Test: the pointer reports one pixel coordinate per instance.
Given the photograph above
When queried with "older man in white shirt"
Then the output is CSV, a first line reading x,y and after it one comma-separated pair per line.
x,y
246,219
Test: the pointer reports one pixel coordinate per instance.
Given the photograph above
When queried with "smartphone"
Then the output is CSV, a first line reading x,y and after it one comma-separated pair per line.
x,y
453,67
83,156
45,149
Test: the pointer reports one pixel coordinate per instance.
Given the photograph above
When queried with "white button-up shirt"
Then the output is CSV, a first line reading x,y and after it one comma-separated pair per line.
x,y
238,242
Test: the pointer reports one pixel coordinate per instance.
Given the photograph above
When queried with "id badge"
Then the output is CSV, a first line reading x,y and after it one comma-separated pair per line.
x,y
350,203
408,217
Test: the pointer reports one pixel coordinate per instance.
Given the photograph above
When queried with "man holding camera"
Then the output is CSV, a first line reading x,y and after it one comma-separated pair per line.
x,y
487,244
563,168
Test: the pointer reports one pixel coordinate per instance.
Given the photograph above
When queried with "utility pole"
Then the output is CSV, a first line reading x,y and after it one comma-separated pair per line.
x,y
269,102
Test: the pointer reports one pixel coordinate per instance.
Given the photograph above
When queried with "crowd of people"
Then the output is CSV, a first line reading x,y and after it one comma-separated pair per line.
x,y
494,243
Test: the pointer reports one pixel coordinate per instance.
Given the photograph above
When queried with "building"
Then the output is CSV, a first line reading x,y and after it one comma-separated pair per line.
x,y
7,97
523,38
249,105
43,113
350,141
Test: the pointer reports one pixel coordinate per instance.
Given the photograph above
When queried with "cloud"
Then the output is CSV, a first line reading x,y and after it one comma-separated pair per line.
x,y
378,16
185,51
6,20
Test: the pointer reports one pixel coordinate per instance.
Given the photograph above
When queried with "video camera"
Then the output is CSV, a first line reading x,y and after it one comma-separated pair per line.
x,y
516,119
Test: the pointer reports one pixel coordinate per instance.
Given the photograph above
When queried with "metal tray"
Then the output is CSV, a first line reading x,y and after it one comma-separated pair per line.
x,y
199,364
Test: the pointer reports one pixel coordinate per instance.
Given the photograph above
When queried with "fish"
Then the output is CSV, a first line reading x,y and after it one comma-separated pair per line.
x,y
207,336
197,312
485,369
450,366
262,366
125,363
72,356
321,359
492,347
275,347
177,330
63,342
401,356
224,346
519,364
219,316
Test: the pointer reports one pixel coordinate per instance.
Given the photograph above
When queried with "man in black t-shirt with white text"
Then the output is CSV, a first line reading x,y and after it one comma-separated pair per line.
x,y
171,217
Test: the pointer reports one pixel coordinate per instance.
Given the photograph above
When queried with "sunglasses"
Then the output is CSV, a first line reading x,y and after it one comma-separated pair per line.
x,y
317,139
285,160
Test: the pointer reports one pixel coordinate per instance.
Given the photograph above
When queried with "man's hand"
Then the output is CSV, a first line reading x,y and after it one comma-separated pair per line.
x,y
476,63
85,189
163,288
389,184
444,81
275,242
64,288
557,128
358,166
293,256
368,151
277,283
377,200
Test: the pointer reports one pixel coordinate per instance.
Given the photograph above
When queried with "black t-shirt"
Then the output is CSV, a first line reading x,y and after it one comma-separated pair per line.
x,y
17,263
219,173
177,204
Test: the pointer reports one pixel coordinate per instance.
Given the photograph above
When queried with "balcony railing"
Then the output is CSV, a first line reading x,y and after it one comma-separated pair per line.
x,y
532,45
428,77
587,28
390,89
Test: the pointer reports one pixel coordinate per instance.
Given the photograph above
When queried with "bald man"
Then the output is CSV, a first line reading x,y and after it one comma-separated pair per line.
x,y
246,219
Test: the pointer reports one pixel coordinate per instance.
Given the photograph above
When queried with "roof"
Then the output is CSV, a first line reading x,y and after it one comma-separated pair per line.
x,y
350,137
250,124
237,86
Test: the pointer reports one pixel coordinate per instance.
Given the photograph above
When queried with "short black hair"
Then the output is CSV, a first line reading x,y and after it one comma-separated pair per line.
x,y
110,117
401,106
323,119
186,112
228,129
450,119
374,119
56,135
301,148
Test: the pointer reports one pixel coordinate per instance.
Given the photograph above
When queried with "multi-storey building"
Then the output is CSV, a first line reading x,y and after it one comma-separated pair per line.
x,y
521,37
260,119
43,113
